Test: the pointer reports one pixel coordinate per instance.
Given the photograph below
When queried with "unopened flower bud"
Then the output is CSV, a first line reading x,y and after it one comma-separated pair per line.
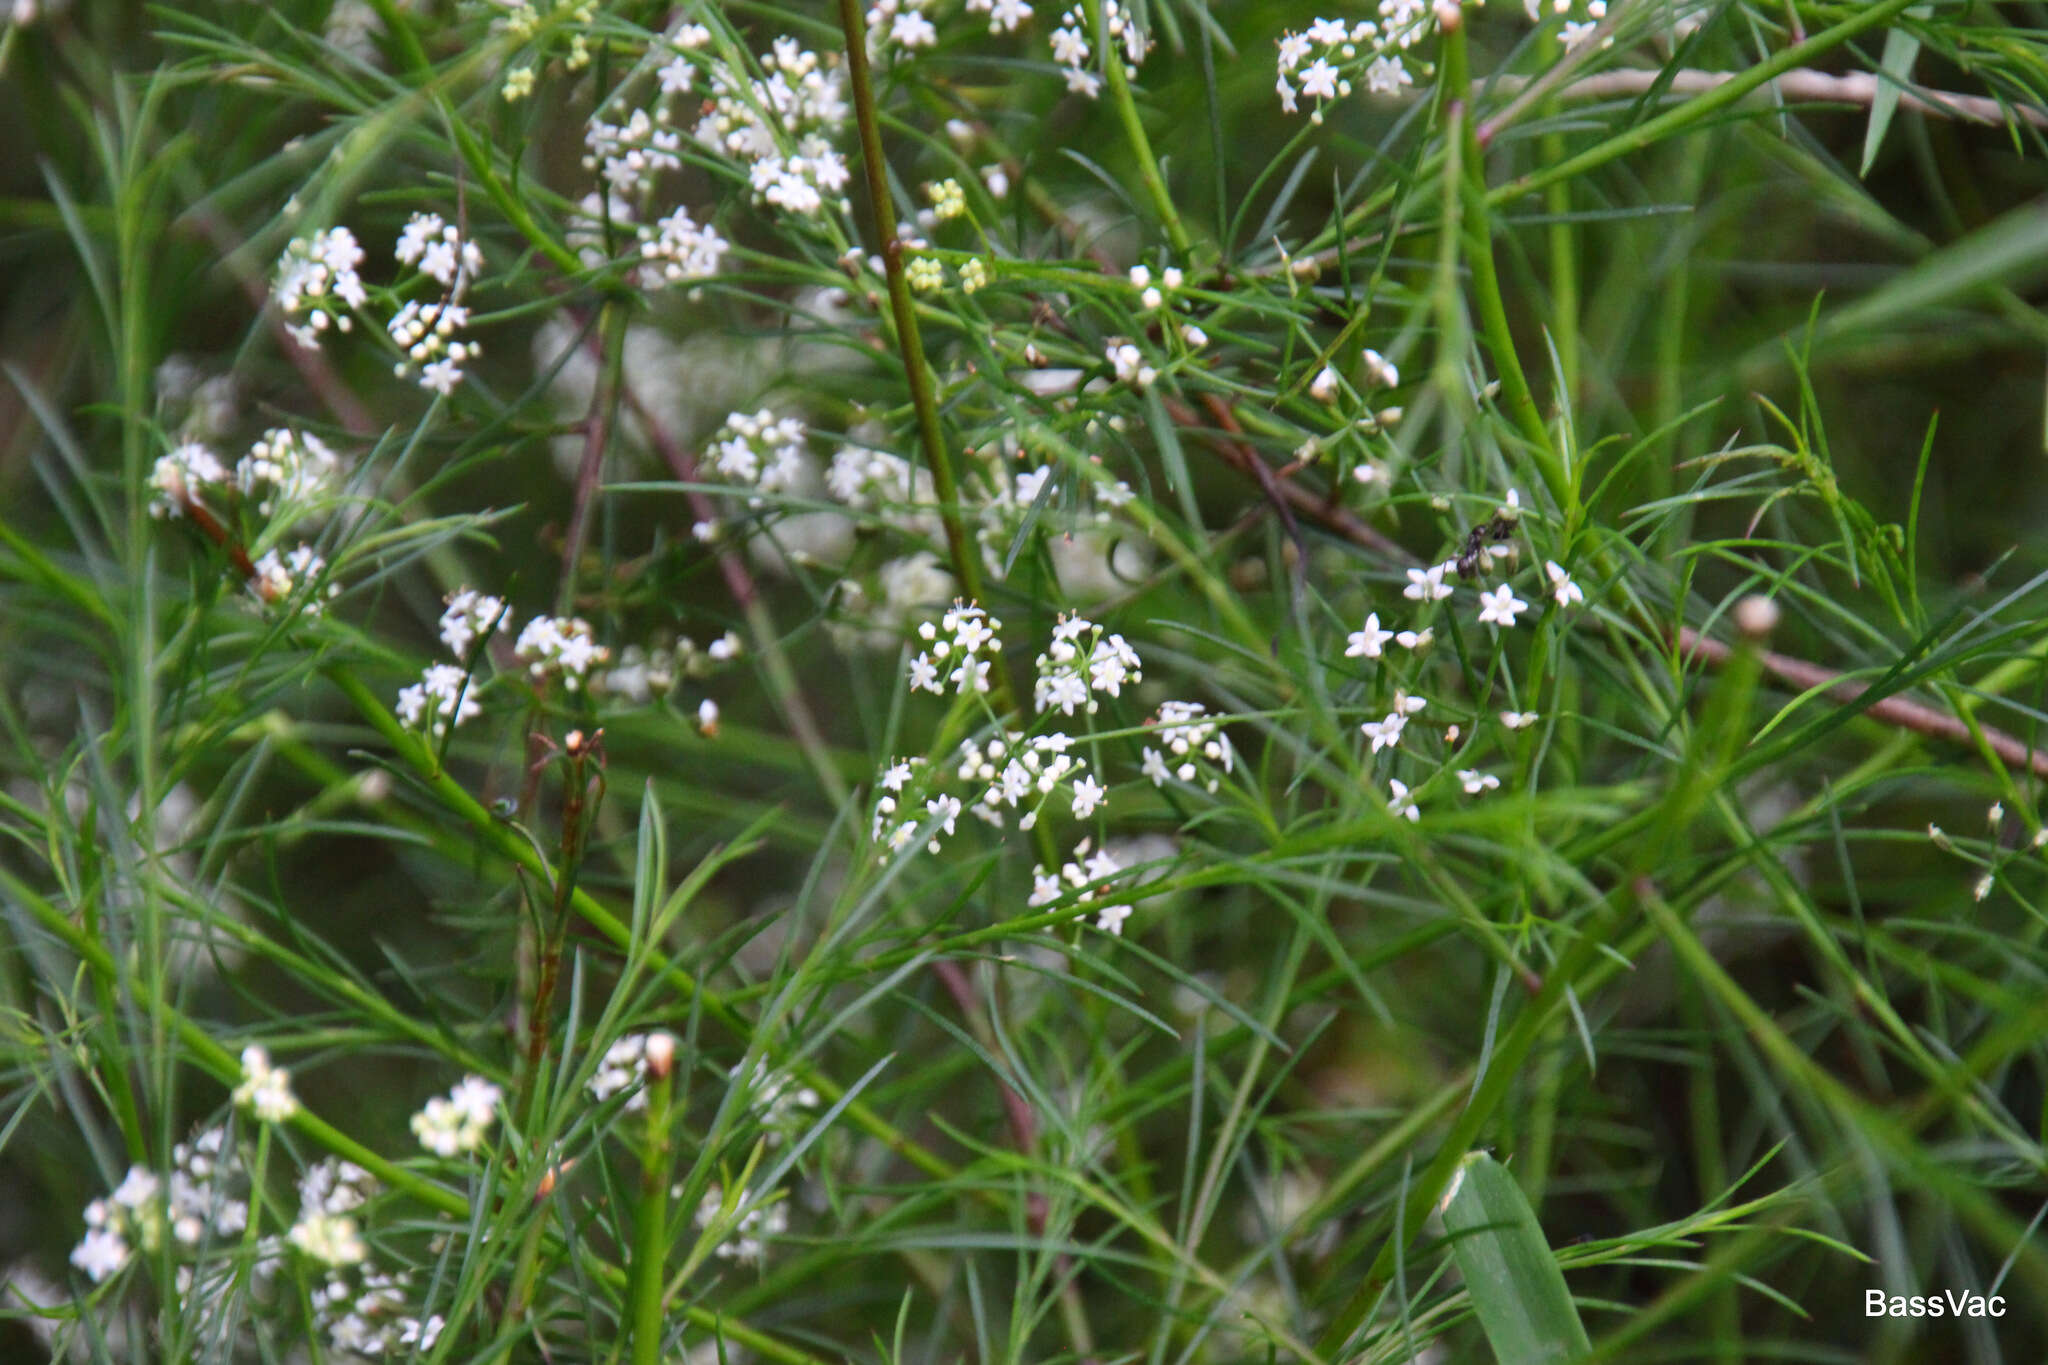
x,y
1756,616
661,1055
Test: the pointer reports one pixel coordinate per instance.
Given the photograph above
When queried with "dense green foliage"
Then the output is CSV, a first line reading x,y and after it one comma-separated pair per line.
x,y
1272,640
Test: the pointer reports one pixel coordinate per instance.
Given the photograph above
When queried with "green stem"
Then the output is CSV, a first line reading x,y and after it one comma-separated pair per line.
x,y
916,372
1126,107
650,1226
1493,313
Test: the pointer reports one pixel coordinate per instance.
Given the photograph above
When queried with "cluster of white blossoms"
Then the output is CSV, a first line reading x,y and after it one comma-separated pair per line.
x,y
195,1206
317,280
679,249
1082,870
1072,49
265,1090
317,285
440,251
369,1312
459,1122
782,127
1081,662
759,450
280,574
630,155
468,617
779,1101
560,646
293,469
958,652
1004,16
1192,747
443,698
1129,364
1020,771
624,1065
182,476
330,1192
1322,61
1376,370
1581,18
902,25
426,332
759,1219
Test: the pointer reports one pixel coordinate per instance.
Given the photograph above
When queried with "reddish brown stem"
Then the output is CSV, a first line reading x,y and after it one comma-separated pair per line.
x,y
1899,711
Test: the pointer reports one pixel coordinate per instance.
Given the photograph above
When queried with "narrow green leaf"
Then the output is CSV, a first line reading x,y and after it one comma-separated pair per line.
x,y
1901,50
1517,1290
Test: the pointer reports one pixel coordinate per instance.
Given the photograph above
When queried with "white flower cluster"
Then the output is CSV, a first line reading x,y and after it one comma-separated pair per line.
x,y
266,1090
440,251
759,450
624,1064
1576,30
782,126
426,333
181,476
1128,362
278,576
1192,747
1072,50
317,282
293,468
443,695
326,1231
634,152
196,1207
317,278
460,1121
1004,16
369,1313
1013,770
871,480
1082,661
747,1238
901,24
560,645
1082,871
1321,61
469,616
680,249
960,648
778,1100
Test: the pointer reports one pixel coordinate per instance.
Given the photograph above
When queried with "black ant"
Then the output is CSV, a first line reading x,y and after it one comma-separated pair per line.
x,y
1477,539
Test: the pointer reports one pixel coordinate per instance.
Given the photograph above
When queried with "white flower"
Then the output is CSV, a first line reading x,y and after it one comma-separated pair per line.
x,y
1319,80
1401,804
1110,919
1518,720
1500,607
470,616
1369,643
100,1254
332,1240
1380,370
181,476
442,691
962,646
266,1090
1415,639
564,645
1087,794
1323,388
462,1121
1427,585
1476,782
1562,588
1385,733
